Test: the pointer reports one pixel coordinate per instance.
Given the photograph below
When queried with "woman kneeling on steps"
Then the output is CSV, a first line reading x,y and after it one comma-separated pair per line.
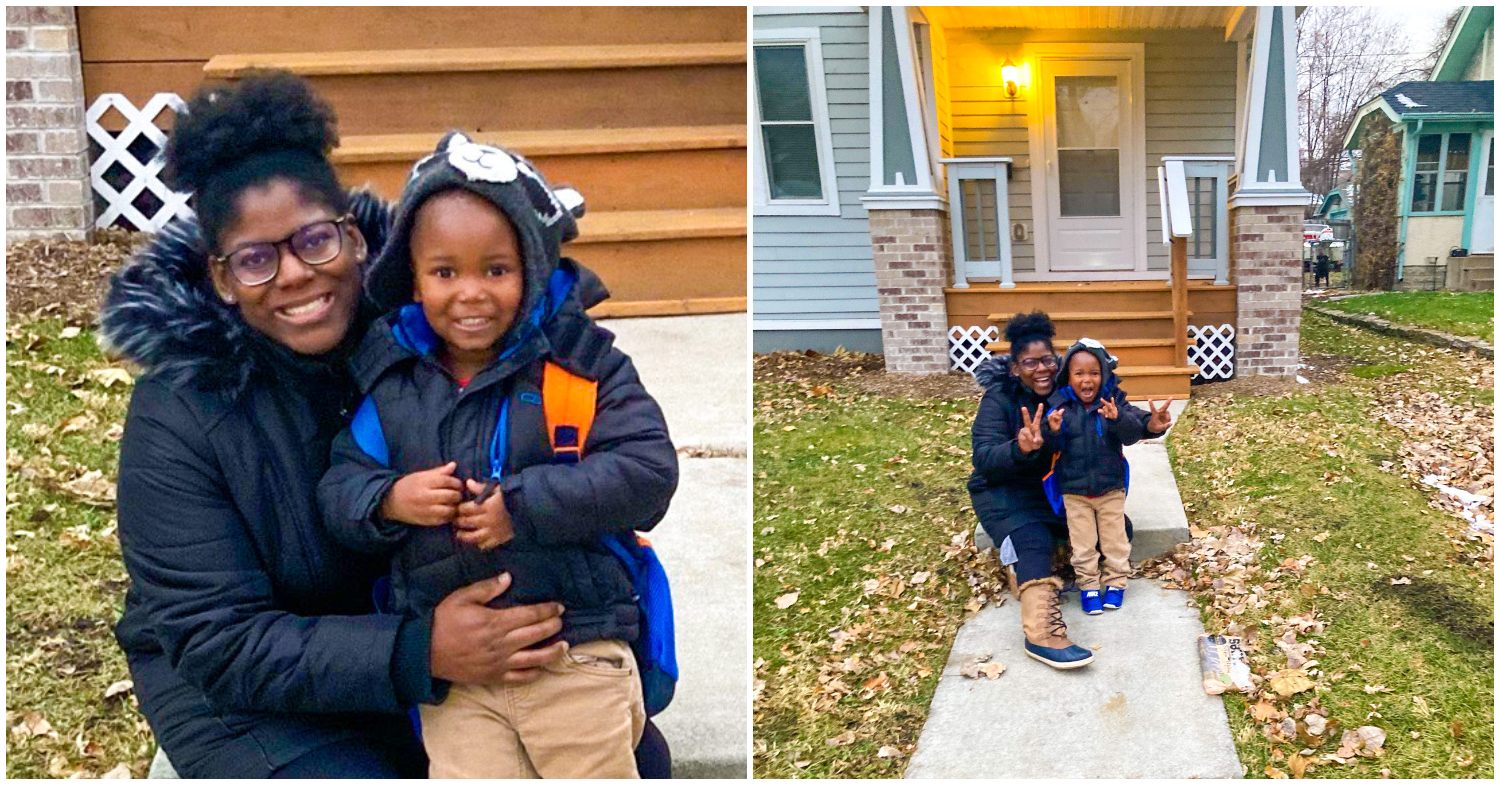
x,y
1010,459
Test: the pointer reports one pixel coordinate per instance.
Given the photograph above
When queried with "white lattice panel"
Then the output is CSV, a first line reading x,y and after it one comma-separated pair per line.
x,y
145,175
1211,348
966,346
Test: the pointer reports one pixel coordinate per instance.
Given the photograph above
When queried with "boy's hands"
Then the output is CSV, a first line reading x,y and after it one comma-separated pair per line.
x,y
483,524
1161,419
1029,438
425,498
1108,409
1054,420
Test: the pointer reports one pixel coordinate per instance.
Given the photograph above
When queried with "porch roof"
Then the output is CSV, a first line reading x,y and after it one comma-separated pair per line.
x,y
1065,17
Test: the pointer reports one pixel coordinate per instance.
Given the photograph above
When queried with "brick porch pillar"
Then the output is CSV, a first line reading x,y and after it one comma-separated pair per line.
x,y
47,189
912,266
1265,251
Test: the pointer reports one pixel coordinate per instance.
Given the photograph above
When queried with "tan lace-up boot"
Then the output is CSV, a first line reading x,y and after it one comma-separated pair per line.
x,y
1046,633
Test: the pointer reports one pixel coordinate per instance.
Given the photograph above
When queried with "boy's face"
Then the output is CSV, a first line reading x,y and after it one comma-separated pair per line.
x,y
1084,376
467,272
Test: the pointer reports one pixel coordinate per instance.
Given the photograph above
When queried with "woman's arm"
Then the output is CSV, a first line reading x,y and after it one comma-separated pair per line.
x,y
624,482
997,451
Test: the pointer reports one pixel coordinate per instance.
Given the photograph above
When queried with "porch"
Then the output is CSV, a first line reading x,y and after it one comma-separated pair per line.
x,y
1094,163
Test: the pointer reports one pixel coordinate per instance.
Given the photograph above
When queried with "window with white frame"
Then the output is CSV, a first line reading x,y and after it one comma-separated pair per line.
x,y
794,169
1441,175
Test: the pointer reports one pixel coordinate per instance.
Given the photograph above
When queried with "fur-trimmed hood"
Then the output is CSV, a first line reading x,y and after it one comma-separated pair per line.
x,y
994,373
161,312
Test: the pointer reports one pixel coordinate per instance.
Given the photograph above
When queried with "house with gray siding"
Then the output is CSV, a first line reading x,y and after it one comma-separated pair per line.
x,y
1131,170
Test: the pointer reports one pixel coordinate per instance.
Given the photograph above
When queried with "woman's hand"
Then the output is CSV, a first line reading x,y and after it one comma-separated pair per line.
x,y
473,643
1029,438
1161,419
425,498
483,524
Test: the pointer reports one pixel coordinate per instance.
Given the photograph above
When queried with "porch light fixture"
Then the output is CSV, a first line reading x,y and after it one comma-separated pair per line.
x,y
1014,77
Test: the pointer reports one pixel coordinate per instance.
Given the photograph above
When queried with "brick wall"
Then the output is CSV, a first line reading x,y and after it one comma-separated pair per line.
x,y
47,192
1266,253
911,269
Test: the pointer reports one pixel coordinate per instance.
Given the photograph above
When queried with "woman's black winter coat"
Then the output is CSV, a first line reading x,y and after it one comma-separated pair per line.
x,y
1006,485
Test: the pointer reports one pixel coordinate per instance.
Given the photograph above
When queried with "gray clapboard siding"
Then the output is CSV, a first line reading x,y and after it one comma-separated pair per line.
x,y
1189,100
820,267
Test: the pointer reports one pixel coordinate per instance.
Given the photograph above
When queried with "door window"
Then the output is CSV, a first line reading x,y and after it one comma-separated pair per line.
x,y
1088,145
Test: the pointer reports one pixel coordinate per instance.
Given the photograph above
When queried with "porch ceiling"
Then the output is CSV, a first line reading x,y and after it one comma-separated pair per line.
x,y
1086,17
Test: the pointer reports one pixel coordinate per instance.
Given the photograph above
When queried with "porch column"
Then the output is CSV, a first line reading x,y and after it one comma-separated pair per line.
x,y
908,218
1268,204
47,190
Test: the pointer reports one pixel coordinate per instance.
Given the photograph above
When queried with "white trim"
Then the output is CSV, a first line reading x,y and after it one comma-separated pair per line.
x,y
997,170
1289,94
1269,197
921,158
810,40
1260,73
1135,55
915,200
1256,107
802,9
815,324
1181,224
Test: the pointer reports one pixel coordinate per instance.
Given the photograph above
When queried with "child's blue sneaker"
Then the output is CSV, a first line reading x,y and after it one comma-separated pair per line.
x,y
1114,597
1091,602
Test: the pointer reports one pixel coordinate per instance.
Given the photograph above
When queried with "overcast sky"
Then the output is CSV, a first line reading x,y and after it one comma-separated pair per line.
x,y
1421,21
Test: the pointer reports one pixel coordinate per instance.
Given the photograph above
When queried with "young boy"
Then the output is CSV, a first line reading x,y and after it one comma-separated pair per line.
x,y
1089,425
461,480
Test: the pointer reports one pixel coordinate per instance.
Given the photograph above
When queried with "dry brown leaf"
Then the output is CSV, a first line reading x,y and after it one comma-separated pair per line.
x,y
118,688
787,600
121,771
843,739
1290,682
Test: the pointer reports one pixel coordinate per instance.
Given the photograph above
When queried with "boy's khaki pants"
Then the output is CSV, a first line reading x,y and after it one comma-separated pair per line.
x,y
582,719
1096,524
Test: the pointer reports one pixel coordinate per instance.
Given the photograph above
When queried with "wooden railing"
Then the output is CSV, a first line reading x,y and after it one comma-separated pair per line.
x,y
1176,227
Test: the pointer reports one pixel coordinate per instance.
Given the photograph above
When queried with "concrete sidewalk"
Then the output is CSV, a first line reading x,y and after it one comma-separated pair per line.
x,y
1136,711
697,369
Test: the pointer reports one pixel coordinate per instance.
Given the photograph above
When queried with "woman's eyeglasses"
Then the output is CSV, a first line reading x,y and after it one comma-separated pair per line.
x,y
315,243
1033,363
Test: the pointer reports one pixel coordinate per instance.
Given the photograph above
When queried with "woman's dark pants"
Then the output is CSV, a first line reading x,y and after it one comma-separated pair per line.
x,y
1034,543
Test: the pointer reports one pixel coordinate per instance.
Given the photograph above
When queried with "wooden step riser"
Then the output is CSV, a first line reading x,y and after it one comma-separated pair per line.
x,y
680,179
536,100
1129,355
164,33
1064,302
1106,330
667,269
1140,388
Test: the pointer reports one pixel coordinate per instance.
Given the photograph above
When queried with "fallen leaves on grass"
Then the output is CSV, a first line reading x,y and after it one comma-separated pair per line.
x,y
787,600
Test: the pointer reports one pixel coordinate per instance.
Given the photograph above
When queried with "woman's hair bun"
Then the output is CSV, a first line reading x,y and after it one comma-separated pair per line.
x,y
1024,328
264,111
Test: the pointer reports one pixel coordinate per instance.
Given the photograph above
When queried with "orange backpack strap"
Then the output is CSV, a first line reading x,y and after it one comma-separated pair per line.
x,y
568,404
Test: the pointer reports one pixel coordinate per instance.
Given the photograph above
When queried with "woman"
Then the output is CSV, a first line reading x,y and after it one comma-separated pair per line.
x,y
249,633
1010,459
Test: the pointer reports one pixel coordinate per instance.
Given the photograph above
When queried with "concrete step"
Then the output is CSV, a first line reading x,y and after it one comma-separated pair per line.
x,y
1153,504
1137,711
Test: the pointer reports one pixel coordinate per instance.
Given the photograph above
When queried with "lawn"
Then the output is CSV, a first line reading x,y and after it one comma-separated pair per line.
x,y
68,702
863,563
1314,537
1459,313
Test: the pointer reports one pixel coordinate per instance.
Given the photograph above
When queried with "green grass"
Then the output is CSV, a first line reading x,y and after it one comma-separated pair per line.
x,y
853,488
1313,473
1459,313
65,581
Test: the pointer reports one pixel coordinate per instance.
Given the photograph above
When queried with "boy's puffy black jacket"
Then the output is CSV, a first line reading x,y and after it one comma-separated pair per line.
x,y
560,513
1006,485
248,631
1092,459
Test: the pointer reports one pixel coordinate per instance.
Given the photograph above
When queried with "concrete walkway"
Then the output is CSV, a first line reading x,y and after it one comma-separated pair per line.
x,y
696,367
1136,711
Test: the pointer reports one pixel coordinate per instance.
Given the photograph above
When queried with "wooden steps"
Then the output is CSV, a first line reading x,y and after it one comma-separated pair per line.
x,y
1131,351
688,166
641,110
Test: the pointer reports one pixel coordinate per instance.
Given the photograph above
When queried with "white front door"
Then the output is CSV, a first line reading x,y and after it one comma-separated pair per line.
x,y
1094,166
1482,232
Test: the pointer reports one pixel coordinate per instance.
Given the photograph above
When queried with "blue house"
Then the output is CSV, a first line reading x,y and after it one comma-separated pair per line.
x,y
919,174
1446,200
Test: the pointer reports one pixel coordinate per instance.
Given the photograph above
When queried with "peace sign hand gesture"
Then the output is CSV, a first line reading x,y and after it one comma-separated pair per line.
x,y
1029,438
1161,419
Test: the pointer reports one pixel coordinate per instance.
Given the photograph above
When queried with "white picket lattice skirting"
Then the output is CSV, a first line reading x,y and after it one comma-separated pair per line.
x,y
145,175
1211,348
966,346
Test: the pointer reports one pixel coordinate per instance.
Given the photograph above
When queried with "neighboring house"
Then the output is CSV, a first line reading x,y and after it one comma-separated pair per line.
x,y
922,173
643,109
1446,197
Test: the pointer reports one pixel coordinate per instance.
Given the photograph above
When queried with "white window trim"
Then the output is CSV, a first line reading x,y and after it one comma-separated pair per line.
x,y
810,41
922,189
